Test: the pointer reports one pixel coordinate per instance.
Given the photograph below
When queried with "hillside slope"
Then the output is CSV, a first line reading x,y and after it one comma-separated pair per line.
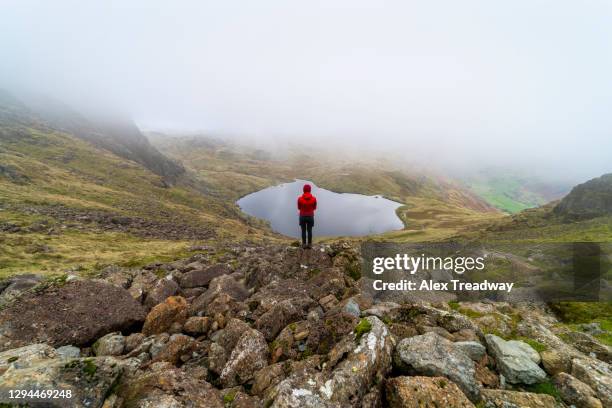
x,y
66,202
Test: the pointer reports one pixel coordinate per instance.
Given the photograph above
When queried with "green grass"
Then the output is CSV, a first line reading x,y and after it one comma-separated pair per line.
x,y
363,327
536,345
574,314
545,387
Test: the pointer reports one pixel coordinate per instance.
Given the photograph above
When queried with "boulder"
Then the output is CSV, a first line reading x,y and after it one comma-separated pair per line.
x,y
163,289
113,344
424,392
228,337
88,380
167,386
202,277
473,349
162,316
366,365
75,313
281,314
223,284
554,362
249,356
432,355
516,360
24,356
267,377
575,392
142,283
595,374
515,399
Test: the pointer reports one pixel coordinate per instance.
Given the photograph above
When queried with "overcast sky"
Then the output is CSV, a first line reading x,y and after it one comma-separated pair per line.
x,y
521,81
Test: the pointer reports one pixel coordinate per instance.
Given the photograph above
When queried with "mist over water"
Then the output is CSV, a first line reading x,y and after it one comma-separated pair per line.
x,y
336,215
450,85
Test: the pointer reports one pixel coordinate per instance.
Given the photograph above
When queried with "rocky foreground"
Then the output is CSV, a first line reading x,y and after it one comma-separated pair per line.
x,y
275,326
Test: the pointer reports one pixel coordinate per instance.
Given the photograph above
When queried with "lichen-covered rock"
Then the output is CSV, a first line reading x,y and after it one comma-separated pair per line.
x,y
217,358
596,374
515,399
433,355
162,316
279,316
168,386
517,361
403,392
228,336
76,313
163,289
87,379
575,392
113,344
24,356
351,379
249,355
269,376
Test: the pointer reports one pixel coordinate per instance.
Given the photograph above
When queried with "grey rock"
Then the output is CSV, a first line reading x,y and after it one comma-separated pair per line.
x,y
249,356
68,352
351,307
24,356
473,349
113,344
351,379
433,355
517,361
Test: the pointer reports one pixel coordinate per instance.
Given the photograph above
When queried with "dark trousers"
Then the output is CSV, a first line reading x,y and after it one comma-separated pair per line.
x,y
306,223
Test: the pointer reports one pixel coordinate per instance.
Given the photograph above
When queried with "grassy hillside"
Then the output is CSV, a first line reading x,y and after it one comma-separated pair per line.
x,y
433,208
65,203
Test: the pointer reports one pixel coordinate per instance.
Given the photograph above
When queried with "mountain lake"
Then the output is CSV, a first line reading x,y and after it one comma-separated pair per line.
x,y
337,214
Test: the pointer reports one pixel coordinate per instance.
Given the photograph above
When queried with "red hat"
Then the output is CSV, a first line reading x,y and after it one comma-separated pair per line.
x,y
307,188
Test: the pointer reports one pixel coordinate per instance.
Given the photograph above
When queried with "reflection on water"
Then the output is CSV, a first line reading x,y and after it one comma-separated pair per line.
x,y
337,214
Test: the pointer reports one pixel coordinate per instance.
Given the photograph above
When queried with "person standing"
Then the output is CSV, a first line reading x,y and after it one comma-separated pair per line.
x,y
307,204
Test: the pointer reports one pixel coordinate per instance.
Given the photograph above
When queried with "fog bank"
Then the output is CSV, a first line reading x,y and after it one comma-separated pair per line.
x,y
446,83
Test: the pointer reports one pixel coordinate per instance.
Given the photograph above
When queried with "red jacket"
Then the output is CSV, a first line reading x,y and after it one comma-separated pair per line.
x,y
307,204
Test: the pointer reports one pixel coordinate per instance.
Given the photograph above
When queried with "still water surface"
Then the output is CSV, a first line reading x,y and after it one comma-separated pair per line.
x,y
337,214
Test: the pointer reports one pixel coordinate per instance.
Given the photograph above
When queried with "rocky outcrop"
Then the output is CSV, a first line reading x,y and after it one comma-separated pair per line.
x,y
285,327
424,391
365,365
432,355
74,313
575,392
588,200
517,361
